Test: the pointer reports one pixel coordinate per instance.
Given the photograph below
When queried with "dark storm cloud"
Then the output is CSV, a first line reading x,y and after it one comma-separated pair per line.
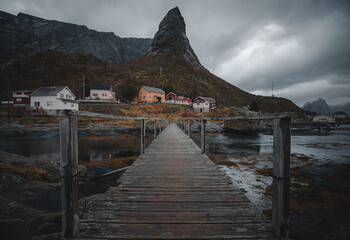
x,y
300,46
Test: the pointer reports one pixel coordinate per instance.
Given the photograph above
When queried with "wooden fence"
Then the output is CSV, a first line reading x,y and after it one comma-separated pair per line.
x,y
69,162
281,163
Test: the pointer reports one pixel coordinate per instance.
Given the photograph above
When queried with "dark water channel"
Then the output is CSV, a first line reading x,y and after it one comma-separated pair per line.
x,y
91,148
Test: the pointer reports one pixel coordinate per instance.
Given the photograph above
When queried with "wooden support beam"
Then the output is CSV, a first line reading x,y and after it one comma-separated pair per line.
x,y
143,123
155,128
68,171
189,128
203,135
281,177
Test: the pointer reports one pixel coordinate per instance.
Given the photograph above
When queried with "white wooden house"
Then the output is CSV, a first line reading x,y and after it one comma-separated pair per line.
x,y
102,92
323,119
201,106
51,100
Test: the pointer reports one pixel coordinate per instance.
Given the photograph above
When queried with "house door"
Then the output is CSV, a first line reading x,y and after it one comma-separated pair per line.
x,y
159,99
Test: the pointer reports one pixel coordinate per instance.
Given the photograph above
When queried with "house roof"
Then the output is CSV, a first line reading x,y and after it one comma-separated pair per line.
x,y
180,94
205,98
47,91
152,89
100,86
21,91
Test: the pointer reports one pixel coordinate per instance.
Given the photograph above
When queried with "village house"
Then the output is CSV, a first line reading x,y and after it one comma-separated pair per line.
x,y
20,98
211,101
178,98
102,92
151,95
51,100
339,114
323,119
201,106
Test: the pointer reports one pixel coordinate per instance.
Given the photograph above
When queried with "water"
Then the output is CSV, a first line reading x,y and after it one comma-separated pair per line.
x,y
333,146
91,148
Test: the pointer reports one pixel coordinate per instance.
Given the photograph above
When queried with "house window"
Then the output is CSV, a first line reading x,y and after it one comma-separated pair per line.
x,y
67,96
149,92
149,97
37,104
94,94
65,103
19,99
70,97
61,95
49,103
143,96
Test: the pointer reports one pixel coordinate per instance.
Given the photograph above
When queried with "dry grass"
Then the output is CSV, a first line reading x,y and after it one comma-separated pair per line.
x,y
30,173
115,162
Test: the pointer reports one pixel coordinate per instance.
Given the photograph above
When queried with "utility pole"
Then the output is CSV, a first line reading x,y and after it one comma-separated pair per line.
x,y
8,101
272,88
83,86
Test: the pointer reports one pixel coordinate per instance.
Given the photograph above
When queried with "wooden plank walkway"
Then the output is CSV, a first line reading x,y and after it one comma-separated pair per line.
x,y
173,192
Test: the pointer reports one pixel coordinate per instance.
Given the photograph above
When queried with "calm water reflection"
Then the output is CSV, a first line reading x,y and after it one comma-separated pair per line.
x,y
91,148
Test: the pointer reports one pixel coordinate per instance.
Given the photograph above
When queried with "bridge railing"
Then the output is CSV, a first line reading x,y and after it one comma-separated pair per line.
x,y
281,162
69,162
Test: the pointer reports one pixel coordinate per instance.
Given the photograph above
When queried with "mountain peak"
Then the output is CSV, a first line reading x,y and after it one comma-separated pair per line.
x,y
171,38
319,106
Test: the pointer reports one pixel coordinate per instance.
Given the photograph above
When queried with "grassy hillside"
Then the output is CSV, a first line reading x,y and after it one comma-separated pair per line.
x,y
59,69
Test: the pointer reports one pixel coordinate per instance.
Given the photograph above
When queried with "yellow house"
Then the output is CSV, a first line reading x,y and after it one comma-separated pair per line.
x,y
151,94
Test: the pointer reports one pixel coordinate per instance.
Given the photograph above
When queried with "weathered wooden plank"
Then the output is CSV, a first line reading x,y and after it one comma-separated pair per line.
x,y
175,231
140,197
171,217
175,207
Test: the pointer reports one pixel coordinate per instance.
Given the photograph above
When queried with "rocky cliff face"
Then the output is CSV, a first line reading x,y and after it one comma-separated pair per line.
x,y
320,106
171,38
27,35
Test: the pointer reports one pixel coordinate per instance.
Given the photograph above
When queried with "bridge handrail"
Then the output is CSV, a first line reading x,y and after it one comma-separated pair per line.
x,y
69,162
281,163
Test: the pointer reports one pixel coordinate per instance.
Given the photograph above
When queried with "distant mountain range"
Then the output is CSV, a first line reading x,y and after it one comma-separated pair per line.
x,y
320,106
24,35
56,53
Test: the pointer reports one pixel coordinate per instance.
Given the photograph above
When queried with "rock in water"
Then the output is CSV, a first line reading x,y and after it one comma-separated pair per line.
x,y
171,38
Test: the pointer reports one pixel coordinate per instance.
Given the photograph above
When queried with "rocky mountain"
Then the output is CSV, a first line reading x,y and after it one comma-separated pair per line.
x,y
173,65
171,38
320,107
24,35
170,64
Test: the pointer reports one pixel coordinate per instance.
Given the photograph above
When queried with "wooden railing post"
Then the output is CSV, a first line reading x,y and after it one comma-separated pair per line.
x,y
203,135
189,128
68,171
155,128
143,126
281,178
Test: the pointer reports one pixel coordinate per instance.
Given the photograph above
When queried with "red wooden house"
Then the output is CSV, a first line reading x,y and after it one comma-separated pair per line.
x,y
178,98
20,98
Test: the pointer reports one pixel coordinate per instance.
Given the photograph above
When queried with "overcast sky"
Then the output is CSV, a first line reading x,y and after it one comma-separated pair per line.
x,y
302,46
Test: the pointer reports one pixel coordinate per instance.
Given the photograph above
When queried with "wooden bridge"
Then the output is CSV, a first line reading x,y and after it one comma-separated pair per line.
x,y
173,192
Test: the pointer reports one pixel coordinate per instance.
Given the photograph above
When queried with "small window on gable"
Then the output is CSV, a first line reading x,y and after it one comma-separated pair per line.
x,y
61,95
